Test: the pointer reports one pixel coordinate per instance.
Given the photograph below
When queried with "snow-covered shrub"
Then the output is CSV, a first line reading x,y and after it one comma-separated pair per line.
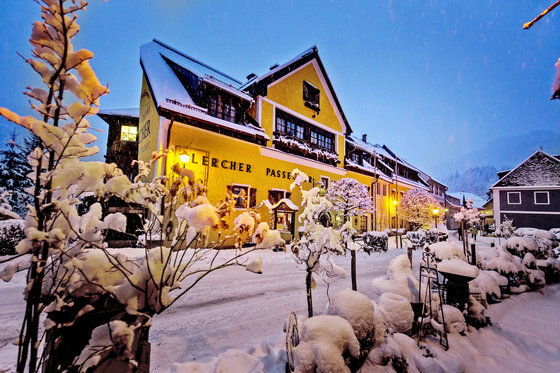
x,y
458,267
488,286
387,357
454,319
377,241
323,341
520,245
416,238
505,229
399,280
432,236
11,233
446,250
358,310
529,261
397,312
476,313
500,260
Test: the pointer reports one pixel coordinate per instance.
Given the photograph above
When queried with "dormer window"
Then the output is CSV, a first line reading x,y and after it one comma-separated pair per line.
x,y
311,96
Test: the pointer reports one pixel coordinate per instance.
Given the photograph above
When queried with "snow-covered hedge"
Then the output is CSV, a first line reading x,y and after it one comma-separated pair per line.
x,y
378,241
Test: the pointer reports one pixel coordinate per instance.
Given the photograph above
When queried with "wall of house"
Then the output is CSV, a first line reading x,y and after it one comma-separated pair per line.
x,y
527,213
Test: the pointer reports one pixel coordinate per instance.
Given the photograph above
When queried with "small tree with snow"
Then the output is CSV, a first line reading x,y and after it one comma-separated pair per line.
x,y
416,207
316,240
467,217
350,198
96,300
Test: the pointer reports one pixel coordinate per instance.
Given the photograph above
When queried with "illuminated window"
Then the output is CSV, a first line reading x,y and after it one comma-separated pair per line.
x,y
129,133
244,194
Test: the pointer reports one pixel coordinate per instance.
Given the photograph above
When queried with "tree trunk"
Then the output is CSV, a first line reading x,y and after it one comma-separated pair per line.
x,y
309,300
353,270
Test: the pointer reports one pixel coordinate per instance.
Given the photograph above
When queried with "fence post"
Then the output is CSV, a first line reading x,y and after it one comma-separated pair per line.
x,y
473,253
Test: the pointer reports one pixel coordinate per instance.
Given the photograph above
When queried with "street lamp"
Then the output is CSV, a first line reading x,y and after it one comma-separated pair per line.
x,y
435,212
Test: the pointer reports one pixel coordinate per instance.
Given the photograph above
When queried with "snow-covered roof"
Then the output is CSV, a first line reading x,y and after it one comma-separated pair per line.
x,y
478,202
369,168
539,169
370,148
258,78
288,203
169,93
226,87
130,112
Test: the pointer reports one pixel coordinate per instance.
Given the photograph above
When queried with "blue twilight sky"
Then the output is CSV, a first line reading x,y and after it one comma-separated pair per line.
x,y
428,78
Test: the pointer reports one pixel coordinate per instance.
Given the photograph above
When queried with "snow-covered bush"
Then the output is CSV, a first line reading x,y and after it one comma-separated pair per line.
x,y
397,312
520,245
446,250
505,229
399,280
432,236
11,233
416,238
377,241
358,310
323,341
454,319
387,357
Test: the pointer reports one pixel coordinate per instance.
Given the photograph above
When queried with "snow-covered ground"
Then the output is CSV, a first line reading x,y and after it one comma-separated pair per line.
x,y
236,309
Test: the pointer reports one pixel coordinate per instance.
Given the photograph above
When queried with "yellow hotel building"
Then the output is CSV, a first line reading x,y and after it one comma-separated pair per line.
x,y
250,135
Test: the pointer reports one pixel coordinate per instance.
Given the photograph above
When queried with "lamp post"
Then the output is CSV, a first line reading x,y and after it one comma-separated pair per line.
x,y
395,203
435,212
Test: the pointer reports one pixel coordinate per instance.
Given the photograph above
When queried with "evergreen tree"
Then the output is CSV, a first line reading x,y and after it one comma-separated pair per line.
x,y
14,169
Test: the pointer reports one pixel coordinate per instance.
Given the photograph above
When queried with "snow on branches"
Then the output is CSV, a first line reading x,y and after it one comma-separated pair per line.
x,y
416,207
349,197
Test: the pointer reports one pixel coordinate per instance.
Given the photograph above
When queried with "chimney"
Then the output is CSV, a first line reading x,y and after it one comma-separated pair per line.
x,y
364,137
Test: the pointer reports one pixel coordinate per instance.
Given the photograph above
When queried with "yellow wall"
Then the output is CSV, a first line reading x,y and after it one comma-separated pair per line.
x,y
148,125
288,92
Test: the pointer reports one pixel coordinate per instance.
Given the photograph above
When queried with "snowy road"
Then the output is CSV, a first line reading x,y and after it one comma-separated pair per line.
x,y
234,308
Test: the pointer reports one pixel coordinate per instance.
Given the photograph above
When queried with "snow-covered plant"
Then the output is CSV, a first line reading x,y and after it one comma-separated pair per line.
x,y
505,228
72,276
377,241
316,239
416,238
350,198
359,311
432,236
416,207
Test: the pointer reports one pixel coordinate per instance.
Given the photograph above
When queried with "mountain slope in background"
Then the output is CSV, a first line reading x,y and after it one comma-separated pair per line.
x,y
502,153
476,171
475,180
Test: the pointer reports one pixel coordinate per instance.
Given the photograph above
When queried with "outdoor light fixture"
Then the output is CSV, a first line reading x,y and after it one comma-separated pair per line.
x,y
184,157
395,202
435,212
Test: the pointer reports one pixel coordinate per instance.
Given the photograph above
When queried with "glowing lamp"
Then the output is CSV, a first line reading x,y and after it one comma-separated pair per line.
x,y
435,211
185,158
395,202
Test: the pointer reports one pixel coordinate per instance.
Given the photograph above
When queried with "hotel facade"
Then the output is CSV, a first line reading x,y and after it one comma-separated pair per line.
x,y
249,135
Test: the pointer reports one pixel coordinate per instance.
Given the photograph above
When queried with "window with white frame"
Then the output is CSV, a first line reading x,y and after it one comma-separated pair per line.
x,y
542,198
514,198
